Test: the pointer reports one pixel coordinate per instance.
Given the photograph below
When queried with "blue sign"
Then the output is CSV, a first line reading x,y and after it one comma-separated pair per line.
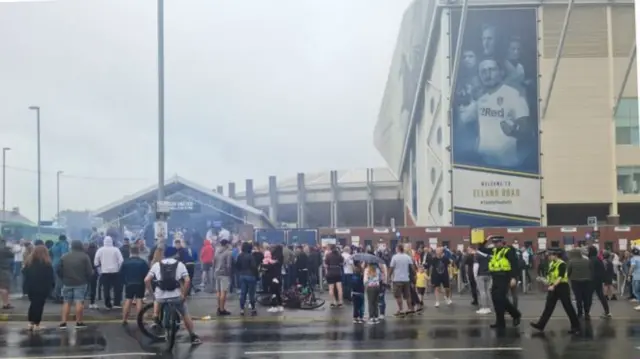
x,y
270,236
303,236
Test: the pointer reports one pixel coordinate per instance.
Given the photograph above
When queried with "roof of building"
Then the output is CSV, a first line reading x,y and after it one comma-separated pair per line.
x,y
323,178
179,180
14,216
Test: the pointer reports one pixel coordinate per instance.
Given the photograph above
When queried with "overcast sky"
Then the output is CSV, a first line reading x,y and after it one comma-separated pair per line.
x,y
253,88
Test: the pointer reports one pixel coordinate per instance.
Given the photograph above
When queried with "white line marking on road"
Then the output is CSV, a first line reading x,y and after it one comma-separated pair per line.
x,y
364,351
88,355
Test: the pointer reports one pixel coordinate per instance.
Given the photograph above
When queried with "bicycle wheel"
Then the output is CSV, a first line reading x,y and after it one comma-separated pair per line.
x,y
145,322
311,302
173,327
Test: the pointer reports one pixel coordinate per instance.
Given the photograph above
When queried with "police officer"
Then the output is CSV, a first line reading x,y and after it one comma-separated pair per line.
x,y
503,266
558,290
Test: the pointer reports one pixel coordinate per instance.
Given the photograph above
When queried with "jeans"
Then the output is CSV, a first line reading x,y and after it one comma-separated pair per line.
x,y
484,289
635,286
358,305
247,286
382,304
346,286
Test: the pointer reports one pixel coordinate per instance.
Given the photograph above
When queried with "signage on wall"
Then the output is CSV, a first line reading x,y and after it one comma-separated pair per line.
x,y
515,230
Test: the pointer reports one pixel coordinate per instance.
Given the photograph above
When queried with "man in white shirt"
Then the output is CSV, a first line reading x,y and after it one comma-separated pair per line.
x,y
108,260
172,285
347,272
502,115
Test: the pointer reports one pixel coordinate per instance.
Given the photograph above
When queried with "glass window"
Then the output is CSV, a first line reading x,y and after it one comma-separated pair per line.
x,y
629,180
627,122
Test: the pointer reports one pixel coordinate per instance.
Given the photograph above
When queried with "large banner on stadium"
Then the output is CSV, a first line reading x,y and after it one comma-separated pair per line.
x,y
495,124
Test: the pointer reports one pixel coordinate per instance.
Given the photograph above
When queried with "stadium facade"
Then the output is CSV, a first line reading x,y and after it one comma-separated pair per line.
x,y
370,197
514,113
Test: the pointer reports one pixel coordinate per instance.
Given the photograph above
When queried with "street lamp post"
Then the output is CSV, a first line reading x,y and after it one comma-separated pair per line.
x,y
4,182
37,109
160,100
58,195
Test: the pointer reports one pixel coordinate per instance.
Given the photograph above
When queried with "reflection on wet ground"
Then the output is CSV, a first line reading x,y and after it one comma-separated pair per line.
x,y
393,339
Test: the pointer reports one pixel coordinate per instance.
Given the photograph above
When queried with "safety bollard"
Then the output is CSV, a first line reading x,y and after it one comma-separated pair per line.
x,y
320,279
524,282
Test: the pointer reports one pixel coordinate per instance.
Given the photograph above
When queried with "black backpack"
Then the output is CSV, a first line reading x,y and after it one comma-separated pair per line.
x,y
168,280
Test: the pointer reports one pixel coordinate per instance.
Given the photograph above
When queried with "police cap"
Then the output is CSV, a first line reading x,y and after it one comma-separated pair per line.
x,y
554,251
495,239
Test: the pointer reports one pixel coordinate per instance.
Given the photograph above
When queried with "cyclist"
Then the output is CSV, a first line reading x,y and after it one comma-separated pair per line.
x,y
172,285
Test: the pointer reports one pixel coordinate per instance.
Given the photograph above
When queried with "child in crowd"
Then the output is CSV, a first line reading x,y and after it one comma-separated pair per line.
x,y
421,284
357,294
372,283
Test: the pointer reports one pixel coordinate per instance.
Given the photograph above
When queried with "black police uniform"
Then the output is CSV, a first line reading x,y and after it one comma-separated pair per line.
x,y
503,266
561,292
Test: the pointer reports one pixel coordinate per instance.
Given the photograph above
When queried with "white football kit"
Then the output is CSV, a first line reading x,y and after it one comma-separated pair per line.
x,y
494,146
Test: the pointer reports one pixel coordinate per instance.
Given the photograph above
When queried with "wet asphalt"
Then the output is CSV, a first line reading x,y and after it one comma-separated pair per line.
x,y
416,337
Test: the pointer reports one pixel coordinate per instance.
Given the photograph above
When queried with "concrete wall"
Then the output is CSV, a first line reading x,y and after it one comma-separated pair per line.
x,y
578,142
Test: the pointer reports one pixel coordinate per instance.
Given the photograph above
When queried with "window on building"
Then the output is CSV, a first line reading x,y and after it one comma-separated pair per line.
x,y
627,122
629,180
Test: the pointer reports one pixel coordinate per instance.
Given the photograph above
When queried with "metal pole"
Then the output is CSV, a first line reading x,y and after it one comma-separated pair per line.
x,y
554,72
160,100
58,196
37,109
458,50
4,183
625,79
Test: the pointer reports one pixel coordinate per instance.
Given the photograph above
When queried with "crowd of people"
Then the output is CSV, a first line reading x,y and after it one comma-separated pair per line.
x,y
75,273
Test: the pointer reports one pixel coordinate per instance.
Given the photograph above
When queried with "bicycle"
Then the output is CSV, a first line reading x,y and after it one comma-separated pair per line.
x,y
169,319
297,297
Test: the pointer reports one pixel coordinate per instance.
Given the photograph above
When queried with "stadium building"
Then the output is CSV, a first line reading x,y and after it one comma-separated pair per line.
x,y
514,113
352,198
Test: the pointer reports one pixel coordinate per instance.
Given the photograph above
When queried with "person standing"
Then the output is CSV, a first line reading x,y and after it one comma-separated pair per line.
x,y
223,262
60,248
503,266
356,282
6,273
75,271
109,259
440,279
483,280
38,283
247,269
133,271
597,279
92,248
579,272
334,264
272,264
558,290
347,271
634,274
400,273
206,258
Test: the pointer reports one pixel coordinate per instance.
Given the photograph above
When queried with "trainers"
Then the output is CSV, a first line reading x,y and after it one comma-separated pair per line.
x,y
356,321
81,325
449,301
280,309
62,326
195,340
437,305
272,310
242,312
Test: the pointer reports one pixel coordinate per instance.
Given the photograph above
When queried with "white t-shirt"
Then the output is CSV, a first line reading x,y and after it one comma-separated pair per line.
x,y
348,263
18,253
494,146
181,273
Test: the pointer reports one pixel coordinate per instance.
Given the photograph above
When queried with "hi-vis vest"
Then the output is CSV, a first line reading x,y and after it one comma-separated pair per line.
x,y
499,261
554,272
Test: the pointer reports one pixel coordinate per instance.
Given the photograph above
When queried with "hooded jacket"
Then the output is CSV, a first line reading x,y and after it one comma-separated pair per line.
x,y
108,257
206,253
579,268
58,250
597,267
223,262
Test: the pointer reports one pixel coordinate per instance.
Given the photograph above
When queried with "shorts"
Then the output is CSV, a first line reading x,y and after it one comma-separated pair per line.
x,y
206,267
402,289
438,280
134,291
334,279
178,303
421,290
74,294
222,283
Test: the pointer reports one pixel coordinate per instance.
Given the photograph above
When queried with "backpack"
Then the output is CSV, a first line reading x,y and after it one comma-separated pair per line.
x,y
168,280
